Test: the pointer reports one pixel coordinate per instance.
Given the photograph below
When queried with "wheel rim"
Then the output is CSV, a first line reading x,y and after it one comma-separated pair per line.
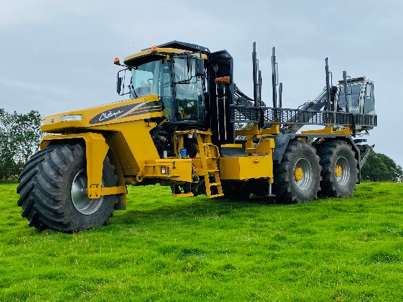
x,y
342,171
303,174
81,202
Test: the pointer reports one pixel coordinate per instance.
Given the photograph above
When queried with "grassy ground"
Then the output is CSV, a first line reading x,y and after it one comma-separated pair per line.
x,y
166,249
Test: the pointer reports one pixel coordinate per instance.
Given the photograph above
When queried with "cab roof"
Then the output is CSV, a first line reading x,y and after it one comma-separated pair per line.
x,y
185,46
157,52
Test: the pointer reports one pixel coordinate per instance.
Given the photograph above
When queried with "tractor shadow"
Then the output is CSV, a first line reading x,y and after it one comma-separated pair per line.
x,y
199,207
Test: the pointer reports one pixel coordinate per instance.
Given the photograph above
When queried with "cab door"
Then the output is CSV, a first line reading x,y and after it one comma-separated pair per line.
x,y
189,89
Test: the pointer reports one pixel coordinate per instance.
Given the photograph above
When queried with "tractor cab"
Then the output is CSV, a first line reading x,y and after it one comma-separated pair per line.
x,y
357,96
176,76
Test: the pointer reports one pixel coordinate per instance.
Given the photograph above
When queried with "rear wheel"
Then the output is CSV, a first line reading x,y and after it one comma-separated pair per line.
x,y
53,191
339,174
297,178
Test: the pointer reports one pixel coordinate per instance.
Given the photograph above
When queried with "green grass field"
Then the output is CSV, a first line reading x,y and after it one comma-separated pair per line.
x,y
196,249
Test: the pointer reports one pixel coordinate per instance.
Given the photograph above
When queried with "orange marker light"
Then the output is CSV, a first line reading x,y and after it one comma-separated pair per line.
x,y
116,61
154,48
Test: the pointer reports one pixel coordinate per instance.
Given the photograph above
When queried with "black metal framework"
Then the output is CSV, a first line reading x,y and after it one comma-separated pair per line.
x,y
221,96
248,114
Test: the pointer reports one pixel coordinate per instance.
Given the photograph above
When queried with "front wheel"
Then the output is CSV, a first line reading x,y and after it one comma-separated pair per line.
x,y
297,178
53,191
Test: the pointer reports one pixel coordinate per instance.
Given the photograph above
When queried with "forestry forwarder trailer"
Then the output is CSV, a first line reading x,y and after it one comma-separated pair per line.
x,y
178,129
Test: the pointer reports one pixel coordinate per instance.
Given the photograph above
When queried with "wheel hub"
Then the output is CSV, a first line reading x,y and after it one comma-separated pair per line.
x,y
303,174
342,171
338,171
79,197
298,174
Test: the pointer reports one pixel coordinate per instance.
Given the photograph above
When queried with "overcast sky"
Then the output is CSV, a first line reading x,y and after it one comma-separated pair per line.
x,y
58,56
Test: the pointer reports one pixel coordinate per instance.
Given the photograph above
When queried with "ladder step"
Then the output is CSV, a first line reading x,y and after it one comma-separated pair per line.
x,y
183,195
217,195
215,184
209,158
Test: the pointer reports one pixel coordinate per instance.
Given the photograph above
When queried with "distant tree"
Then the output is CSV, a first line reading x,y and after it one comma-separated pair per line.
x,y
380,167
19,138
243,126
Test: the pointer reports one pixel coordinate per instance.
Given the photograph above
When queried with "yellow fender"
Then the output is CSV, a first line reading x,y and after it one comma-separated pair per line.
x,y
96,150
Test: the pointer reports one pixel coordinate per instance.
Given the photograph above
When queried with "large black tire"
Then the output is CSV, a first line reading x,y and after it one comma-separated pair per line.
x,y
339,169
297,178
52,191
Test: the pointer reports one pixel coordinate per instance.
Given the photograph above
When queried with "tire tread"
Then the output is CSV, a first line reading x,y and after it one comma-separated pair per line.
x,y
41,187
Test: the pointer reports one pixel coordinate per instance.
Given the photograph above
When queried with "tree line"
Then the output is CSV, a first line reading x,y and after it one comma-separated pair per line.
x,y
20,136
380,167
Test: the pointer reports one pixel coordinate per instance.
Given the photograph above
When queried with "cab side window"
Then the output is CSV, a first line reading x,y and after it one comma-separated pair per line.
x,y
369,102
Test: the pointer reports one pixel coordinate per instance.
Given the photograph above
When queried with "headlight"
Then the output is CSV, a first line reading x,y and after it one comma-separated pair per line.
x,y
71,117
165,170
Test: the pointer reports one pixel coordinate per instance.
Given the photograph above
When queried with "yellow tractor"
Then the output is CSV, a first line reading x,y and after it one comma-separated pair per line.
x,y
177,128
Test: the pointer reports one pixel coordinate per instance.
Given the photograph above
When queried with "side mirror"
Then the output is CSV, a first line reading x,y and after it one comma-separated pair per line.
x,y
118,84
120,81
200,67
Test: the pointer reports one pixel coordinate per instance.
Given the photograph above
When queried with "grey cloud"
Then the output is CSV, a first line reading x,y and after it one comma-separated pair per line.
x,y
58,55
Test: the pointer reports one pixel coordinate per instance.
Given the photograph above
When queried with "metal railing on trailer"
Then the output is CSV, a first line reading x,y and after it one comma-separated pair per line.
x,y
268,115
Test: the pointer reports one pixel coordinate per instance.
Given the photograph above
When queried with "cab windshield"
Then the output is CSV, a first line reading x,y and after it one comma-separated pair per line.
x,y
151,78
354,94
176,82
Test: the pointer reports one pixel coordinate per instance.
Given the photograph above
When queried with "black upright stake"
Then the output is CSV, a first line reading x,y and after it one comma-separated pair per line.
x,y
280,95
260,89
255,70
329,108
274,76
345,90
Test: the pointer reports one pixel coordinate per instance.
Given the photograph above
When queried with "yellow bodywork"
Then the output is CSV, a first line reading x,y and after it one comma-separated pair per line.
x,y
104,117
177,169
257,163
248,167
96,150
329,130
119,128
122,131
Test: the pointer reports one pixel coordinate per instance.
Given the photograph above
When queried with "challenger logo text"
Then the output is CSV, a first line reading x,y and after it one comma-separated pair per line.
x,y
109,115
